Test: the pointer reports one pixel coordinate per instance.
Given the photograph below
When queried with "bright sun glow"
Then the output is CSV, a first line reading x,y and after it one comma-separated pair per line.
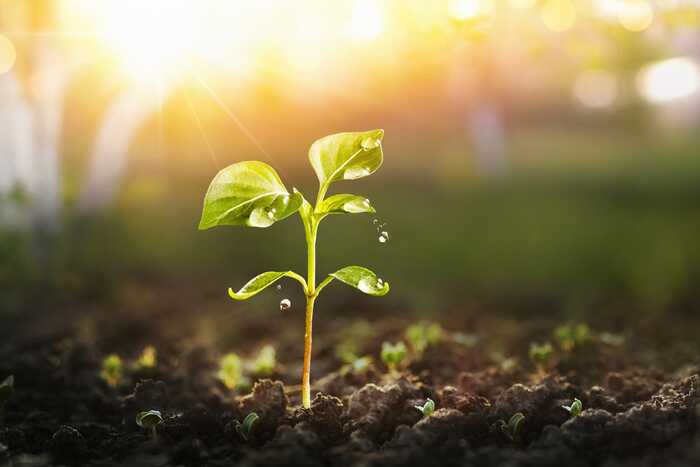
x,y
7,54
669,80
367,21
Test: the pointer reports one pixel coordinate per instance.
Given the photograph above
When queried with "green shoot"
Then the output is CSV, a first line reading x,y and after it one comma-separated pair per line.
x,y
513,428
541,355
245,429
112,370
148,358
422,335
7,387
393,354
426,409
231,371
266,361
149,420
572,336
252,194
575,408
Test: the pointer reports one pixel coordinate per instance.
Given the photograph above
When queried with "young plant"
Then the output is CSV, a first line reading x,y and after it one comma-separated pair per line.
x,y
252,194
513,428
572,336
426,409
148,358
7,387
541,355
112,370
231,371
245,428
266,361
575,408
393,354
149,420
422,335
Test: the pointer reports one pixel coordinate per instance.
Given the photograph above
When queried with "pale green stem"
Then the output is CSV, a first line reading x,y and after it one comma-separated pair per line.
x,y
311,231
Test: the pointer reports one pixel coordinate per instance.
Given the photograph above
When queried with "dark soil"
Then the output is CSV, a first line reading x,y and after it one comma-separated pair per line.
x,y
641,398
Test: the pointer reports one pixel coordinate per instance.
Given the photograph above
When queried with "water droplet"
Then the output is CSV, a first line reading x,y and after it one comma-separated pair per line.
x,y
382,239
380,282
259,217
279,287
364,286
385,234
375,221
370,143
366,203
285,304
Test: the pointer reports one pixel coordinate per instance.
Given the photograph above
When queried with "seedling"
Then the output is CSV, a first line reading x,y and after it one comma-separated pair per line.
x,y
571,336
575,408
252,194
426,409
245,428
231,371
112,370
541,355
422,335
148,358
513,428
393,354
264,364
149,420
7,387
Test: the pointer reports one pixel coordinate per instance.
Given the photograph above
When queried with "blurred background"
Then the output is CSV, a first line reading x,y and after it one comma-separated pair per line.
x,y
541,156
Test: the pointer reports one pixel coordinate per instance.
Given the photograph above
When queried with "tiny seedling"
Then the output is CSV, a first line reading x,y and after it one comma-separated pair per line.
x,y
426,409
112,370
252,194
245,428
148,358
393,354
149,420
422,335
7,387
231,371
513,428
266,361
575,408
541,355
572,336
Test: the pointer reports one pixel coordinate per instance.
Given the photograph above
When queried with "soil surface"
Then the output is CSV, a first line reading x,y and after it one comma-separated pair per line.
x,y
640,391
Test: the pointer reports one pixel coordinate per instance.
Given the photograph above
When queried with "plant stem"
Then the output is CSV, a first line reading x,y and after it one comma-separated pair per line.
x,y
311,232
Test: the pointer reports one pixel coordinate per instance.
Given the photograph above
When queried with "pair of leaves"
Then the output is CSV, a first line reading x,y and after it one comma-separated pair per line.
x,y
356,276
251,193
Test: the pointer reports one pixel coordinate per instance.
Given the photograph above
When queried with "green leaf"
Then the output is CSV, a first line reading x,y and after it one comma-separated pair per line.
x,y
245,428
362,279
149,419
346,156
247,193
340,204
262,281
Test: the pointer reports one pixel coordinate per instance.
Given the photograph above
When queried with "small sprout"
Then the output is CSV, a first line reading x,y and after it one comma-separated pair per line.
x,y
148,358
112,369
541,355
149,420
393,354
231,371
426,409
513,428
7,387
265,363
575,408
572,336
245,429
423,335
252,194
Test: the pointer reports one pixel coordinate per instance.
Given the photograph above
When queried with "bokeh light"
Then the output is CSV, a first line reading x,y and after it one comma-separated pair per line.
x,y
635,15
8,54
669,80
558,15
596,89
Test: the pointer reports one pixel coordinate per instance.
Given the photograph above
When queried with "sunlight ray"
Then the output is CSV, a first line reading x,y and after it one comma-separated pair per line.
x,y
198,121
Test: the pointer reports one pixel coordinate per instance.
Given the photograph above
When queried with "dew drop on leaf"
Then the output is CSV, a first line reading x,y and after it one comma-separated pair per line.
x,y
285,304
